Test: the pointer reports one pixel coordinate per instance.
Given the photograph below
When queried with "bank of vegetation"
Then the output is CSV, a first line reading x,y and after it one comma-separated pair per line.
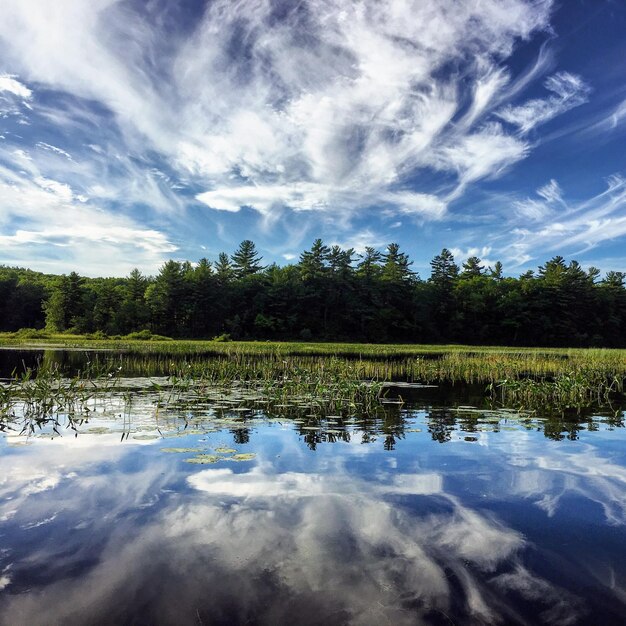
x,y
330,294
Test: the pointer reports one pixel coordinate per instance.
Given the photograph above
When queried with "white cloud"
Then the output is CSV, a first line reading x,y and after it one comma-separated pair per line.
x,y
532,209
573,229
618,117
53,217
46,146
344,97
481,154
11,85
302,196
537,210
461,255
361,240
329,113
568,91
551,192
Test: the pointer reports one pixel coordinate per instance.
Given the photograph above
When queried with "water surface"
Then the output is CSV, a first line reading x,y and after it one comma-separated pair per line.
x,y
432,514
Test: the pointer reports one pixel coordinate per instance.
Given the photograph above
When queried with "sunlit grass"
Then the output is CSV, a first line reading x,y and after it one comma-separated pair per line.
x,y
324,378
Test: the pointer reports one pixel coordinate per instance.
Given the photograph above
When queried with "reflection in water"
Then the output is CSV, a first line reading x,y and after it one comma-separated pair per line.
x,y
510,528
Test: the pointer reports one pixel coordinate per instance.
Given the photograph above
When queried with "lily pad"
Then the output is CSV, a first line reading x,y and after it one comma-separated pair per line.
x,y
205,459
244,456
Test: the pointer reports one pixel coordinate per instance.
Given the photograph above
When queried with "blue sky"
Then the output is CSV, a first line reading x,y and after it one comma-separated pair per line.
x,y
134,132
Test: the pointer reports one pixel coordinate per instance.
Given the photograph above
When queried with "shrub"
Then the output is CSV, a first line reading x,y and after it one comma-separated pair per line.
x,y
160,338
98,335
31,333
141,335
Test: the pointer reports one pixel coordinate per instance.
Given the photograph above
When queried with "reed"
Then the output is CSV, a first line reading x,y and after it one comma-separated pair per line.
x,y
282,383
42,396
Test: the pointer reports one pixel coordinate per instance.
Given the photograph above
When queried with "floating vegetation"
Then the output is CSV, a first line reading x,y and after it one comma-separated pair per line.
x,y
319,395
225,450
205,459
244,456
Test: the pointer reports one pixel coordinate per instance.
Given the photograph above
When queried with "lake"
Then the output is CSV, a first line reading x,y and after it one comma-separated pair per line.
x,y
435,512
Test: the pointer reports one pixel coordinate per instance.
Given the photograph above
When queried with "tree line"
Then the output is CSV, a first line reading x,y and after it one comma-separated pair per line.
x,y
330,294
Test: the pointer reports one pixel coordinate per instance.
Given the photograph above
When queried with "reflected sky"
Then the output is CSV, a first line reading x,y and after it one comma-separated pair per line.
x,y
508,527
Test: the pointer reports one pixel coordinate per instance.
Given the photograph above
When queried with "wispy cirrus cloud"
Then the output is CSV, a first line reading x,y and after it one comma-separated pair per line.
x,y
65,230
323,110
554,225
568,91
319,93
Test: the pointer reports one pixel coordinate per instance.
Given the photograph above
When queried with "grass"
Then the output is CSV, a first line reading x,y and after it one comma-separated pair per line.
x,y
46,397
342,377
285,348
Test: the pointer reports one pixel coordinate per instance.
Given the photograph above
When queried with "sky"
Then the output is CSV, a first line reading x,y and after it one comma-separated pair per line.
x,y
132,132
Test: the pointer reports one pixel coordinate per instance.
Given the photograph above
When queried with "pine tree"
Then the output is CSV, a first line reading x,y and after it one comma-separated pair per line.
x,y
444,270
313,262
472,267
246,260
396,266
369,267
224,271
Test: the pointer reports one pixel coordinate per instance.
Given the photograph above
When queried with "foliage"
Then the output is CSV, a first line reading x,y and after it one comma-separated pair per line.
x,y
330,294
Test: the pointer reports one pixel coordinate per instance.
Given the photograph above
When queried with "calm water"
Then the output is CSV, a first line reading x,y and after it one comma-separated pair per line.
x,y
433,515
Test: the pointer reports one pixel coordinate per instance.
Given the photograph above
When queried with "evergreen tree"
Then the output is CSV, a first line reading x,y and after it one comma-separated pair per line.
x,y
444,274
472,267
224,271
64,308
246,260
444,271
167,300
370,265
496,271
313,262
396,265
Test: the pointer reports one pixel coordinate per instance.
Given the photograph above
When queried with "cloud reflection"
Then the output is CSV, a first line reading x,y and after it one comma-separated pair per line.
x,y
224,545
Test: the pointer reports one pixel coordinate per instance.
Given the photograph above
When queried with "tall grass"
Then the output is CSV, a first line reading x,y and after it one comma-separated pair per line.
x,y
285,382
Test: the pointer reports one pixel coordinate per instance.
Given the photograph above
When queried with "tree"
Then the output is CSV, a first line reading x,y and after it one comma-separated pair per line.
x,y
472,267
324,296
314,303
444,274
224,271
496,271
444,271
64,308
313,262
396,265
369,267
134,314
246,260
340,261
167,299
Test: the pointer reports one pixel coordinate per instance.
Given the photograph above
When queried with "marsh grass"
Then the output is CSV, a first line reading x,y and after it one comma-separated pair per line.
x,y
42,396
567,391
274,379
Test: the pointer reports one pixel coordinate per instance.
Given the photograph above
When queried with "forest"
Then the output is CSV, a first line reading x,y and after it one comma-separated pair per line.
x,y
330,294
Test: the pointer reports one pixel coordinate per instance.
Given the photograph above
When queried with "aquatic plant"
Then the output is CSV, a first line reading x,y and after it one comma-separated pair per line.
x,y
40,397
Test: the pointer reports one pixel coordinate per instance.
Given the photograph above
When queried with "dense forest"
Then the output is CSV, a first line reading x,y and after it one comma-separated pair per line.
x,y
330,294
